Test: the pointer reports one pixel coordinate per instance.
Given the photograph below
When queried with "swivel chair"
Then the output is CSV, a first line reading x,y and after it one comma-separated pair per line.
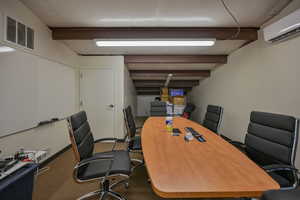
x,y
96,166
271,142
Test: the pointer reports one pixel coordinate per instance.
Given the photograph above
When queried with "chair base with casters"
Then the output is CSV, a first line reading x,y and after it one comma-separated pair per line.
x,y
281,195
135,147
92,169
105,191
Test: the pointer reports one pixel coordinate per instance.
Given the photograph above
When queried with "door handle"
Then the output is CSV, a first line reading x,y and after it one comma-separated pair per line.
x,y
111,105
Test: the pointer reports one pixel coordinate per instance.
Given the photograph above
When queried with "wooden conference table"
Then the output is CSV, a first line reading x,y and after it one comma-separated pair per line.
x,y
180,169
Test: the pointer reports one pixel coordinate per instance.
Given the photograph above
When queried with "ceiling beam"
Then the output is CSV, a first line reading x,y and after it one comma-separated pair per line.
x,y
169,59
148,93
159,88
164,73
90,33
160,83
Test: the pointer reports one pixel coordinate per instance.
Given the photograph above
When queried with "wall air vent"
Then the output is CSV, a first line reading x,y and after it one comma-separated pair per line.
x,y
19,34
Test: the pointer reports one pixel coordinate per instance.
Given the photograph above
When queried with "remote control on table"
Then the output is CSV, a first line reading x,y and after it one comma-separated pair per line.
x,y
198,136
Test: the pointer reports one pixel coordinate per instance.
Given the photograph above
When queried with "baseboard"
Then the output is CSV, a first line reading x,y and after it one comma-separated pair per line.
x,y
51,158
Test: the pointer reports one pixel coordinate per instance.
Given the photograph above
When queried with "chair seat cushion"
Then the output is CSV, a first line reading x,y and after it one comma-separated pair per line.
x,y
135,143
282,181
98,168
281,195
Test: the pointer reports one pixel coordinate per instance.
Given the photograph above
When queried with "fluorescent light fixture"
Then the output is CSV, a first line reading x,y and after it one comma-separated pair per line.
x,y
155,43
4,49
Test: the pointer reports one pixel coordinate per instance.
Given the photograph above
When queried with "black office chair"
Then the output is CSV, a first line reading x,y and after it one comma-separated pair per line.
x,y
281,195
271,142
134,140
213,118
96,166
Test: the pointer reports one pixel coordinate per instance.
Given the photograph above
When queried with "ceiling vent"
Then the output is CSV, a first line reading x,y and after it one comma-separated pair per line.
x,y
18,33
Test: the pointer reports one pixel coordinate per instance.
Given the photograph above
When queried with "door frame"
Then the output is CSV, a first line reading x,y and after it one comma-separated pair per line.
x,y
114,92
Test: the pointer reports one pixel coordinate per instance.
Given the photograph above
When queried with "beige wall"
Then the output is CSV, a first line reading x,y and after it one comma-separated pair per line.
x,y
260,76
130,97
53,137
44,45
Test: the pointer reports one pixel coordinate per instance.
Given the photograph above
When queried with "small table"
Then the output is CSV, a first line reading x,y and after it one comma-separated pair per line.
x,y
213,169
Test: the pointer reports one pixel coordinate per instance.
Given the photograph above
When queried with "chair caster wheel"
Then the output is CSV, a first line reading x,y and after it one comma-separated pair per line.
x,y
126,185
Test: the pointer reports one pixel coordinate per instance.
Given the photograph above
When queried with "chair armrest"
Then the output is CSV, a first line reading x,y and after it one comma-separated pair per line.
x,y
226,138
92,159
109,139
237,144
279,167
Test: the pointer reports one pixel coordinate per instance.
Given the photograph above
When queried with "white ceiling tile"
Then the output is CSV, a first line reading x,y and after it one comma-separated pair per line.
x,y
151,12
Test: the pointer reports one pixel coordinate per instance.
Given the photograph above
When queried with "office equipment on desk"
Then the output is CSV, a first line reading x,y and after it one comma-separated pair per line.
x,y
188,137
11,169
176,92
195,134
208,168
21,158
36,156
176,132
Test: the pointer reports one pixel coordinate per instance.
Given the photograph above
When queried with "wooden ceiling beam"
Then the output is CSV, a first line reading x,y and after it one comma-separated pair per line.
x,y
164,73
91,33
148,93
159,88
160,83
172,59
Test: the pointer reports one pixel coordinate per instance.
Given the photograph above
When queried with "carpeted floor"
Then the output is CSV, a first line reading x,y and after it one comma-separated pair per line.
x,y
57,182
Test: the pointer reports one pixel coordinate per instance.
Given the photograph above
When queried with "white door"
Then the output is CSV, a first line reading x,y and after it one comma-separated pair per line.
x,y
97,99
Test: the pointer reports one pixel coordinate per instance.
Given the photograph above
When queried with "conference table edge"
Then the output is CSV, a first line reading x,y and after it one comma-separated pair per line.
x,y
224,194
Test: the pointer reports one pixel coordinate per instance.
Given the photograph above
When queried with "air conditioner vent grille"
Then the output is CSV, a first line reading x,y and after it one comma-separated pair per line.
x,y
19,33
287,35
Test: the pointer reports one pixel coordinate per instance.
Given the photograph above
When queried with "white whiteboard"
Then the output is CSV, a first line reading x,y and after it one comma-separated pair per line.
x,y
33,89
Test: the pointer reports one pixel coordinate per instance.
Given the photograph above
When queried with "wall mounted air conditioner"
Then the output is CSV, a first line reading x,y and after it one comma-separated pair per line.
x,y
284,28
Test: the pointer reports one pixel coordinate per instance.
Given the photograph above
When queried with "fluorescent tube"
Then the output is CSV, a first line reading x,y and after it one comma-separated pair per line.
x,y
154,43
